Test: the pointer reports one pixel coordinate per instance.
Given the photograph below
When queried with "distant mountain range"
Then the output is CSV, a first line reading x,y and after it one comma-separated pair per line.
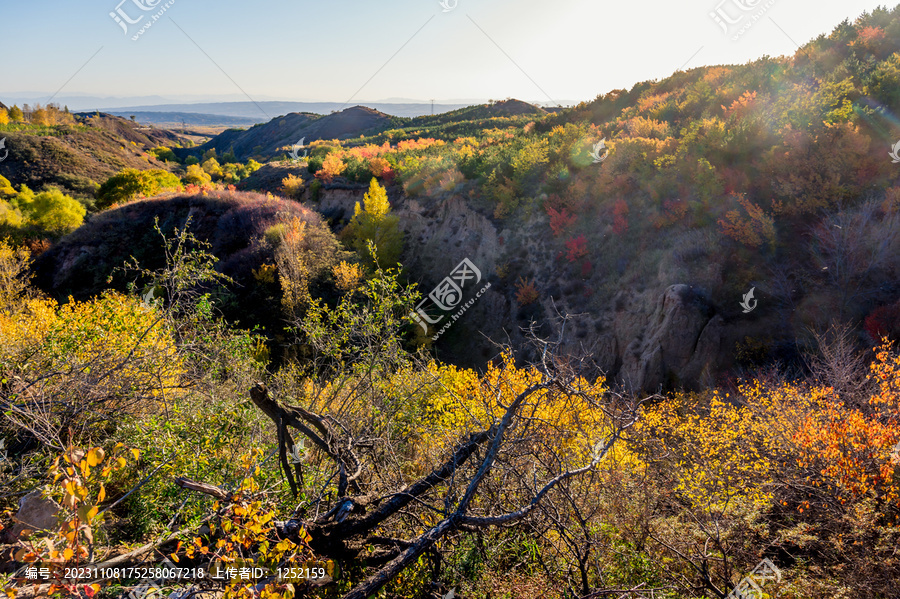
x,y
177,119
263,112
224,111
268,140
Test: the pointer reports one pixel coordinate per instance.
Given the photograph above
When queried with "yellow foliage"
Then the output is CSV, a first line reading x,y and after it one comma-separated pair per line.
x,y
569,422
724,454
347,277
109,355
14,278
375,201
373,222
265,273
111,329
293,271
292,186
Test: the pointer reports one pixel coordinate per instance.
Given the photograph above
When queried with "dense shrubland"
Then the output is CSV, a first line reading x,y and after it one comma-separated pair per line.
x,y
162,425
400,473
727,169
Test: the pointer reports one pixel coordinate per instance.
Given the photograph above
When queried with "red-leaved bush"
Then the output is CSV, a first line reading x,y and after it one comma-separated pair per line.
x,y
620,217
577,248
560,220
883,321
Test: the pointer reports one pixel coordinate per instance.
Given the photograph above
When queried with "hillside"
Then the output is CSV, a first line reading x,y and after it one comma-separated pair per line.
x,y
648,345
718,180
236,226
502,108
257,111
278,135
80,156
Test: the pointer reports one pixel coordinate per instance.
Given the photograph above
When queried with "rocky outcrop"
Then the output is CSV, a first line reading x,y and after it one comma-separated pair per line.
x,y
439,237
643,340
678,345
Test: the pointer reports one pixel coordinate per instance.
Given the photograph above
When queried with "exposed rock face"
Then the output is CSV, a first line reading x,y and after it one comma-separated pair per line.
x,y
679,344
440,237
642,340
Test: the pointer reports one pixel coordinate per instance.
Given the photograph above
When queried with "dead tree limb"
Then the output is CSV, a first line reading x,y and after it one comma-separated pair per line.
x,y
317,429
217,492
346,528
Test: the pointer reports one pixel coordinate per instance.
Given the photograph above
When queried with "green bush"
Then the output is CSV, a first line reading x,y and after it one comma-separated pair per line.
x,y
50,211
195,175
131,183
165,154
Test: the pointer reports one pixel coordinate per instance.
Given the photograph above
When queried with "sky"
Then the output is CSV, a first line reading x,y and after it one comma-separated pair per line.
x,y
549,51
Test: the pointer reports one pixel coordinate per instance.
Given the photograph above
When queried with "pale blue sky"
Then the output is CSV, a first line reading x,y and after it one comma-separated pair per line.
x,y
326,51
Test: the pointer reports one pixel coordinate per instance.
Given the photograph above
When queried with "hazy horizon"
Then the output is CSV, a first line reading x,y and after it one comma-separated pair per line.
x,y
340,52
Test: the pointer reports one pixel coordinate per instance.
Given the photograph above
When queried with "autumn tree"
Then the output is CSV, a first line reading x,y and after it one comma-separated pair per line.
x,y
293,186
332,166
195,175
16,115
212,168
373,222
755,229
48,212
304,252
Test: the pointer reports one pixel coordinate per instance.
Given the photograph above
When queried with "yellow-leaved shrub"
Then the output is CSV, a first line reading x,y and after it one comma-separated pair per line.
x,y
67,368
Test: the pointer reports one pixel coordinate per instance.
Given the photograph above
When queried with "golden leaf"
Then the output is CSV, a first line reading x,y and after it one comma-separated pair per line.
x,y
95,456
